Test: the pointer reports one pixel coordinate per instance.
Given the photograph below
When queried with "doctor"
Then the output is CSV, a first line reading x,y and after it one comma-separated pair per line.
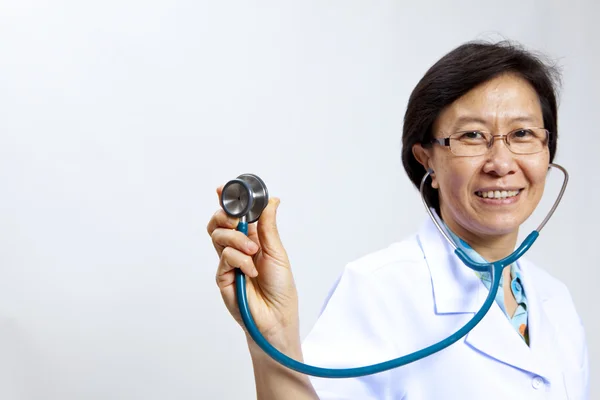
x,y
484,119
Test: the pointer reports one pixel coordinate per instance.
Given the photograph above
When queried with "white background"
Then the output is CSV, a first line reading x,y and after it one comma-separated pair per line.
x,y
118,119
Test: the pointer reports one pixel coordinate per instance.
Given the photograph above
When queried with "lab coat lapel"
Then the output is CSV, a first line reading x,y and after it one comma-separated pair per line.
x,y
495,337
457,289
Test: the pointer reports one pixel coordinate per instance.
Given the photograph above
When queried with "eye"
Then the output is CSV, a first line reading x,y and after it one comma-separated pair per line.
x,y
471,136
522,133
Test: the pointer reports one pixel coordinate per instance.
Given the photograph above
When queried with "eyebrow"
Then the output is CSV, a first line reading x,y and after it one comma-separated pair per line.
x,y
465,119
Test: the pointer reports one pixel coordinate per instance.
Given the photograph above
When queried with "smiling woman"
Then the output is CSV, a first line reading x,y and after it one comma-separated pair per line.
x,y
477,164
482,121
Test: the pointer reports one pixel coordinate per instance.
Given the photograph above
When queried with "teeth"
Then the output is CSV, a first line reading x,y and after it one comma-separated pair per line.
x,y
497,194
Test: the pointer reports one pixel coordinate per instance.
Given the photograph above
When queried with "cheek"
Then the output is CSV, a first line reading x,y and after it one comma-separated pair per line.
x,y
455,182
458,175
536,172
454,186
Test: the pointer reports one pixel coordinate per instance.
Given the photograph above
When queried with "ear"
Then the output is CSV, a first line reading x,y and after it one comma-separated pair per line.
x,y
424,157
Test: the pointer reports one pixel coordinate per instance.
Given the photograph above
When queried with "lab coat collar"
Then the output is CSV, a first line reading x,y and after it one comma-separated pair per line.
x,y
457,289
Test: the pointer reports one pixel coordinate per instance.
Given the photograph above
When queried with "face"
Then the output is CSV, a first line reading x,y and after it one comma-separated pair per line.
x,y
498,106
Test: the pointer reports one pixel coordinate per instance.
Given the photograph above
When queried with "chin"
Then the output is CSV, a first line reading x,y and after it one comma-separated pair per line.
x,y
497,225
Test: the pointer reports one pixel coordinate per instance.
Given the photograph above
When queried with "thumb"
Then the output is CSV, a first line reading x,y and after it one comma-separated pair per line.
x,y
268,235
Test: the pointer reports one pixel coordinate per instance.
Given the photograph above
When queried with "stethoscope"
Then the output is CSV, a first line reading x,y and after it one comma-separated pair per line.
x,y
247,196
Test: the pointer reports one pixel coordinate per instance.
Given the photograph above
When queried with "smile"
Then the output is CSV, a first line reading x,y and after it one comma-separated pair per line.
x,y
498,194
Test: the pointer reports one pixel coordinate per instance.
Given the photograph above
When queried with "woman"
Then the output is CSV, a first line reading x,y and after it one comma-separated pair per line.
x,y
484,119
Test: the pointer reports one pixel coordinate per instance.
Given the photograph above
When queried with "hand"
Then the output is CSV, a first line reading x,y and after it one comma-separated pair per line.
x,y
270,286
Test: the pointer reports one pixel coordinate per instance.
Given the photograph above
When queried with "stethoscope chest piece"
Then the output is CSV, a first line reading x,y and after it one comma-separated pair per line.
x,y
246,195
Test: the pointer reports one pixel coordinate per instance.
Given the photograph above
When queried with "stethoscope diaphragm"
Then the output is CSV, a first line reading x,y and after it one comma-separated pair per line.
x,y
246,195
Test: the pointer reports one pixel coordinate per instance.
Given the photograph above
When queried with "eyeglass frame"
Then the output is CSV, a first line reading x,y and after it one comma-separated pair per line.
x,y
445,141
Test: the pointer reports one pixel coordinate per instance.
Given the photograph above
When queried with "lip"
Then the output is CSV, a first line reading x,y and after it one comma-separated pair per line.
x,y
494,188
499,202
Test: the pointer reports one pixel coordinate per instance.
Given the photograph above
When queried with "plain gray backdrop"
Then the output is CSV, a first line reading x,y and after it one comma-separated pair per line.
x,y
118,119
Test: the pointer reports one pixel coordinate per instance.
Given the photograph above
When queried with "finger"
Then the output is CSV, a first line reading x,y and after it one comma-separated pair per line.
x,y
229,238
220,219
220,190
253,233
268,235
230,259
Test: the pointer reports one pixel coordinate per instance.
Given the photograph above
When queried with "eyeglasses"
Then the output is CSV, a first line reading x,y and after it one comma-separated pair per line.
x,y
476,143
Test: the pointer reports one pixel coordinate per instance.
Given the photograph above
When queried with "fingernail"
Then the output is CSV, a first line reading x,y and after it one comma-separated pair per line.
x,y
251,246
254,273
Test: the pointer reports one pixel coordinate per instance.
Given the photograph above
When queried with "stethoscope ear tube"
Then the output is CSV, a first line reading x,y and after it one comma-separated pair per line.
x,y
560,194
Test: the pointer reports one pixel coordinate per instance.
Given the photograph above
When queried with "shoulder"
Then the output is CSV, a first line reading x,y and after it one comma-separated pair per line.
x,y
360,313
393,275
398,256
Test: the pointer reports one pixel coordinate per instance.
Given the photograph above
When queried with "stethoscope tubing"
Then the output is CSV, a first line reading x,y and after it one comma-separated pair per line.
x,y
240,281
495,269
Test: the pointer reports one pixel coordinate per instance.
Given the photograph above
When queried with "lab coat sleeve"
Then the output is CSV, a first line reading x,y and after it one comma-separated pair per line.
x,y
353,330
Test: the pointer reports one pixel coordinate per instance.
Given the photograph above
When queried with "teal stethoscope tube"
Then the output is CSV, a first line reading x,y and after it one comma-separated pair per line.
x,y
495,269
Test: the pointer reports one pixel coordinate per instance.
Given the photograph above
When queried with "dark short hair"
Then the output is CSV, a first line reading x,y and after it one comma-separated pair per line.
x,y
455,74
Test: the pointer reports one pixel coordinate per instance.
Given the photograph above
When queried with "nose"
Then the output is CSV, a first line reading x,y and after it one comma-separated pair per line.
x,y
500,160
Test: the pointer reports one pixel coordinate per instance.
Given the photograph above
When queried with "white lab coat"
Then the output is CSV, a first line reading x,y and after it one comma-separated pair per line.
x,y
417,292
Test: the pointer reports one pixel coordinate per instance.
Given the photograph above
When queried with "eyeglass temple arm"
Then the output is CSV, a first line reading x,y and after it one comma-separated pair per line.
x,y
442,141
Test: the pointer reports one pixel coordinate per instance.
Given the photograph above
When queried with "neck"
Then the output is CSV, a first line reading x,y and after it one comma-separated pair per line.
x,y
490,247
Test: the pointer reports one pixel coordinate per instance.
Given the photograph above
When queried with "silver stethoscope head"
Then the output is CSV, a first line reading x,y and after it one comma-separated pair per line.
x,y
437,223
245,197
